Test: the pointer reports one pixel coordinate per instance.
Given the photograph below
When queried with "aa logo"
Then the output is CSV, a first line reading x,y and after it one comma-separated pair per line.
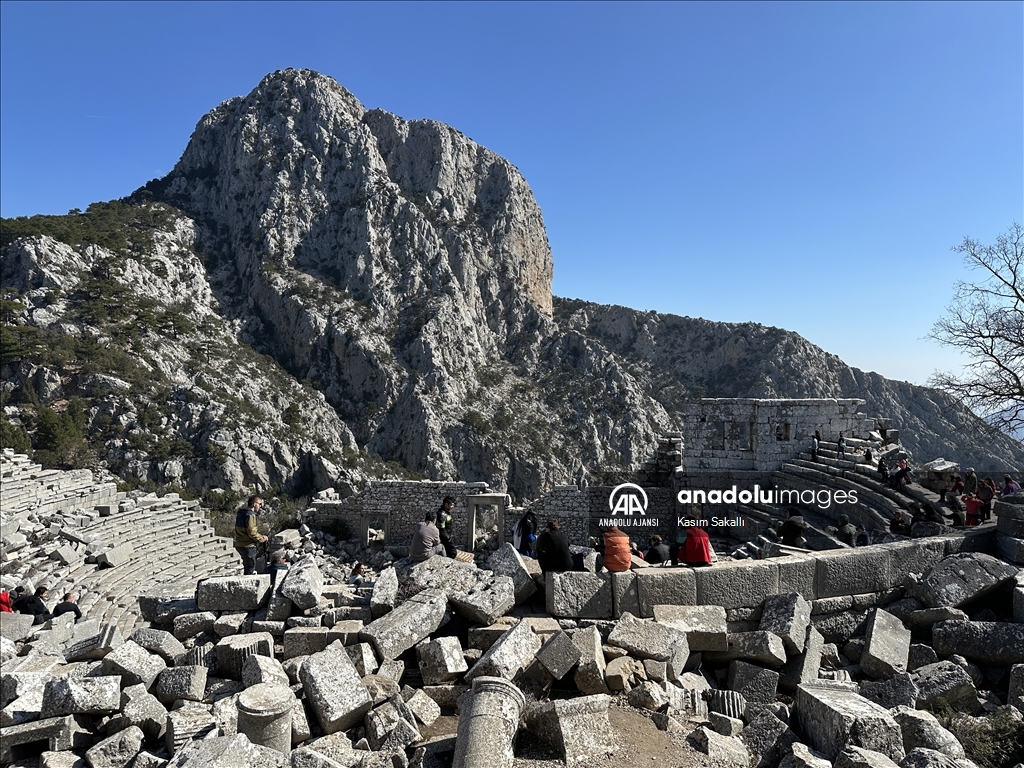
x,y
627,499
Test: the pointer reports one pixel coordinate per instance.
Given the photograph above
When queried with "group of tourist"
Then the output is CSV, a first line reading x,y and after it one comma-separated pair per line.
x,y
34,604
976,495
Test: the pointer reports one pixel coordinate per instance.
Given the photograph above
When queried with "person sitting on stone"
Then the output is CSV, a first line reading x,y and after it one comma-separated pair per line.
x,y
791,532
616,550
900,523
5,602
34,605
957,518
634,550
426,539
247,535
696,550
863,537
278,567
1009,486
846,533
658,552
67,605
553,554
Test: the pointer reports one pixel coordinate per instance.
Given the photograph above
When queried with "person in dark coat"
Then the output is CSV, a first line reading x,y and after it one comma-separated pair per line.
x,y
659,552
68,606
553,549
34,605
791,532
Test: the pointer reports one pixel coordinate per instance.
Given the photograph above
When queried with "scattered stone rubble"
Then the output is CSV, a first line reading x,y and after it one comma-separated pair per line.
x,y
358,675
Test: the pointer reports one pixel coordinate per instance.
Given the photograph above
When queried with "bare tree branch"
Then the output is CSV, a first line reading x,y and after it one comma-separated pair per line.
x,y
985,321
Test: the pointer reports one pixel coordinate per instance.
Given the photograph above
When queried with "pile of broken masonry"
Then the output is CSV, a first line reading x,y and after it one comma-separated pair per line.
x,y
241,673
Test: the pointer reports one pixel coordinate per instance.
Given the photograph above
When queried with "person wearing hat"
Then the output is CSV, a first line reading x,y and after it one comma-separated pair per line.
x,y
846,533
970,483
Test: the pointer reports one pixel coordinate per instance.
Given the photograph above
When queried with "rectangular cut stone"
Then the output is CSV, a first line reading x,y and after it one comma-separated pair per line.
x,y
446,575
625,597
233,650
833,718
886,645
385,593
665,586
647,639
303,583
506,561
580,595
232,593
509,655
991,643
761,647
853,571
441,660
590,670
411,622
914,556
81,695
486,601
797,573
788,616
578,728
756,684
185,682
961,578
134,664
1010,548
334,689
347,631
559,655
804,667
17,626
96,646
303,641
737,583
705,625
60,734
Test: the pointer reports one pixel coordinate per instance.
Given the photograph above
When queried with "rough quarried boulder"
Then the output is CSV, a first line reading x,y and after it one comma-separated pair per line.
x,y
385,593
303,583
334,689
961,578
506,561
232,593
412,621
833,718
998,644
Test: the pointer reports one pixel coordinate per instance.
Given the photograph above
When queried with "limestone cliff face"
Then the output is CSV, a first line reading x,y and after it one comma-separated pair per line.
x,y
317,289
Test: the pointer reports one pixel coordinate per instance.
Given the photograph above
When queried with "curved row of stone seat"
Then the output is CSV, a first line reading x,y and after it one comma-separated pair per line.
x,y
872,509
28,487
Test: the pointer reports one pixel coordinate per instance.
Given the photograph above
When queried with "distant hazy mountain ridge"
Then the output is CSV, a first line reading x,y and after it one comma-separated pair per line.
x,y
315,283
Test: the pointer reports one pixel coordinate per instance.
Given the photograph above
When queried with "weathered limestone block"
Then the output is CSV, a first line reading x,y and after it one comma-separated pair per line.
x,y
119,555
382,722
992,643
589,677
187,683
303,641
647,639
363,658
833,718
723,750
116,751
705,625
787,616
506,561
1015,695
856,757
509,656
424,708
559,655
227,752
736,584
233,650
648,695
188,722
441,660
303,583
391,668
921,729
25,707
767,738
757,684
960,578
625,594
857,571
134,664
945,683
582,595
665,586
385,593
232,593
80,695
186,625
60,733
289,538
578,728
142,709
619,673
761,647
157,641
263,669
96,646
411,622
160,605
486,601
334,689
887,645
445,574
62,760
803,756
900,689
804,667
17,626
230,623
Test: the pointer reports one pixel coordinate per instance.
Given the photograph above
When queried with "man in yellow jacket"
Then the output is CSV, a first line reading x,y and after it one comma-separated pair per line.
x,y
247,535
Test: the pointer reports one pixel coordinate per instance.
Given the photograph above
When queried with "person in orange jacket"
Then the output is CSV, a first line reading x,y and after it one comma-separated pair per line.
x,y
616,550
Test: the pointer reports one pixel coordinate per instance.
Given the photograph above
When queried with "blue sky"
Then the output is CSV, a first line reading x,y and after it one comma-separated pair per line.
x,y
802,165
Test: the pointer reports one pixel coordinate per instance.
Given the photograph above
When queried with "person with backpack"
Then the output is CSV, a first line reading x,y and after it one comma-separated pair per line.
x,y
247,535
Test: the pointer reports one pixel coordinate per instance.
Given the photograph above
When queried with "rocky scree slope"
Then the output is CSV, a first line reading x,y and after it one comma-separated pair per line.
x,y
402,274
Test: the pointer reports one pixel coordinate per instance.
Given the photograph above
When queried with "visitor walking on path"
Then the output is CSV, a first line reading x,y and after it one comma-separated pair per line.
x,y
247,535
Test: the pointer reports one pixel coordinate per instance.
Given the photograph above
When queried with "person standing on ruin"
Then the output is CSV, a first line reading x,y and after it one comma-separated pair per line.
x,y
987,493
841,447
426,540
815,445
553,549
444,525
247,535
973,504
970,482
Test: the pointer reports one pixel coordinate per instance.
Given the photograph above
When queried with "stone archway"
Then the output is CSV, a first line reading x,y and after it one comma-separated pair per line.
x,y
473,502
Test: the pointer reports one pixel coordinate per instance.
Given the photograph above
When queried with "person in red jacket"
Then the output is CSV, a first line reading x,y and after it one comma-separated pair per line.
x,y
973,504
616,550
5,602
696,549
